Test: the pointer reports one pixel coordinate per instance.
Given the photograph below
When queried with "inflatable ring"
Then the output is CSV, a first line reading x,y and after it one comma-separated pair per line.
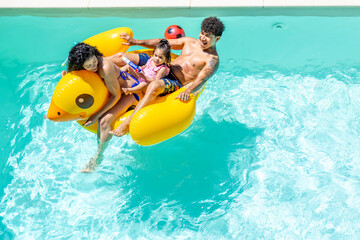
x,y
80,94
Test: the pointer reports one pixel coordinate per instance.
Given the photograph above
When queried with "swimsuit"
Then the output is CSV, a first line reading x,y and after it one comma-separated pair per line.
x,y
123,75
171,82
151,71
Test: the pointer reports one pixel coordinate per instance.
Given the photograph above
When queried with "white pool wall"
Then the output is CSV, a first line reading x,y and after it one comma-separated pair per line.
x,y
173,3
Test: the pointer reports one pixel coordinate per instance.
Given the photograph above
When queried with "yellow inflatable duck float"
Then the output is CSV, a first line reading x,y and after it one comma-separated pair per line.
x,y
80,94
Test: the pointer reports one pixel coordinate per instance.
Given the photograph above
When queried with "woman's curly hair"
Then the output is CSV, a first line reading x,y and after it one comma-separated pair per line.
x,y
79,54
213,25
164,45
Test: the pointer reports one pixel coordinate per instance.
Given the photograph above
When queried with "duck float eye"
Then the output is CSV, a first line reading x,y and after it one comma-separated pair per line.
x,y
84,101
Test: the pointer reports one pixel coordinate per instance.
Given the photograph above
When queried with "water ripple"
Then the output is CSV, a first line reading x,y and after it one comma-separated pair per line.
x,y
272,153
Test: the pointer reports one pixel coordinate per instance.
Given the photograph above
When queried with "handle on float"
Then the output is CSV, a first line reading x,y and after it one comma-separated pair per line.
x,y
131,64
63,64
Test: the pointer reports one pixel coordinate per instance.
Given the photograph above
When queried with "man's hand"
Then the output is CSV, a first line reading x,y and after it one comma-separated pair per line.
x,y
129,40
184,96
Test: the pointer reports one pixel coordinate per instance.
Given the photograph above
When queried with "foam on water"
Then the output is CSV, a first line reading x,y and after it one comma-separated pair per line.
x,y
273,153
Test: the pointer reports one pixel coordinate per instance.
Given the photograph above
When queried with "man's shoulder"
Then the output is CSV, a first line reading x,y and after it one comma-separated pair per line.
x,y
214,57
189,39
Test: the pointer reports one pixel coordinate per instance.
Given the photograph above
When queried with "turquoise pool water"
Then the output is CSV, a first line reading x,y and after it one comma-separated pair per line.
x,y
273,152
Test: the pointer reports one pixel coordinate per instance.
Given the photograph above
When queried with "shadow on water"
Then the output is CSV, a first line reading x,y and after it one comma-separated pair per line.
x,y
191,170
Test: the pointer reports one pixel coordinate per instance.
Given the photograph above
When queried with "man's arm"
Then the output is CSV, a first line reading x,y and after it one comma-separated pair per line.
x,y
209,69
176,44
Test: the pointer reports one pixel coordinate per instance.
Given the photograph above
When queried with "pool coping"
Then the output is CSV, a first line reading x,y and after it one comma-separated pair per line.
x,y
162,12
88,4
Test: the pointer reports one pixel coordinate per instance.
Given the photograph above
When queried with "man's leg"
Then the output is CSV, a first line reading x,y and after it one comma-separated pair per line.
x,y
104,128
154,89
117,58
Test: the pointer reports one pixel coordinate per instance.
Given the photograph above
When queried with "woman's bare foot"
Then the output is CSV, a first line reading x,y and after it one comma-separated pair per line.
x,y
121,130
91,165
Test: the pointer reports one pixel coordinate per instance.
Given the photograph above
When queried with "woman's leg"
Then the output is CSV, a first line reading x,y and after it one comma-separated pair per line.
x,y
154,89
104,128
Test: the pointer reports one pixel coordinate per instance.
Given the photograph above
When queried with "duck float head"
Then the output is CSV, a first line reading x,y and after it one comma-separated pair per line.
x,y
77,96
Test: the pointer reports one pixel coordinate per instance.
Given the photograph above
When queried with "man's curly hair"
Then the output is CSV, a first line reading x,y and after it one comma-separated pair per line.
x,y
213,25
79,54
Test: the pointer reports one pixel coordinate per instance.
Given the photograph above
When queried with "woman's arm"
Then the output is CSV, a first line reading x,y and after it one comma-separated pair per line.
x,y
109,74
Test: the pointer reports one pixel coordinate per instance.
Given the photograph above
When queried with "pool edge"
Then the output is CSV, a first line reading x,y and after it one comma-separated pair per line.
x,y
151,12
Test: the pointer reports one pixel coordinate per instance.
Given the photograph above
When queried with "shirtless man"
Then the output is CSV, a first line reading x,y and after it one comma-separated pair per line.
x,y
197,62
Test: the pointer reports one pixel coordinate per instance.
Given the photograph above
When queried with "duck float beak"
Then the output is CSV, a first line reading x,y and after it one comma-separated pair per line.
x,y
56,114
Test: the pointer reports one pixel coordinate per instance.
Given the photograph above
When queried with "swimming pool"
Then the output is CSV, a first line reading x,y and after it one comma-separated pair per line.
x,y
273,152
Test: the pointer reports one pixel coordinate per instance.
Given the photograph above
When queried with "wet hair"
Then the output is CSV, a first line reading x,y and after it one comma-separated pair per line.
x,y
164,45
213,25
79,54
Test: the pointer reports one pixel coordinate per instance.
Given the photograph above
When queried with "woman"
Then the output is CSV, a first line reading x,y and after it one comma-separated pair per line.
x,y
83,56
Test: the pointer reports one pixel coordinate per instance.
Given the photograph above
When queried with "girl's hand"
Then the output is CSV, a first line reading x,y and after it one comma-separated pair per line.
x,y
126,91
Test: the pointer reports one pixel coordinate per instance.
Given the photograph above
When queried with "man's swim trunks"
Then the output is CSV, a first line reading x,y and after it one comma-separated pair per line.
x,y
143,58
171,84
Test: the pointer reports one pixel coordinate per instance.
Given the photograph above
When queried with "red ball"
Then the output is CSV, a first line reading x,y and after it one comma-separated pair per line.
x,y
174,32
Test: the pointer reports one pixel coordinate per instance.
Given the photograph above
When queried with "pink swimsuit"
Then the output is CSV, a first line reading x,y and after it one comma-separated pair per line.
x,y
150,71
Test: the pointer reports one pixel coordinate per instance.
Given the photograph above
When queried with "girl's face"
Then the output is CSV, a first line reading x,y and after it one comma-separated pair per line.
x,y
159,57
91,64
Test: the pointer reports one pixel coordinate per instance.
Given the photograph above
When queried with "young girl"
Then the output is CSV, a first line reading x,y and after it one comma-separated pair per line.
x,y
155,68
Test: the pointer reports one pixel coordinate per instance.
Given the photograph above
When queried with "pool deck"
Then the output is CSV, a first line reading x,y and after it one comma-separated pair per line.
x,y
173,4
189,8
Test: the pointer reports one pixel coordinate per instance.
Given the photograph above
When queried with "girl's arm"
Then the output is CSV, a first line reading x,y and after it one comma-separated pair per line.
x,y
163,72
